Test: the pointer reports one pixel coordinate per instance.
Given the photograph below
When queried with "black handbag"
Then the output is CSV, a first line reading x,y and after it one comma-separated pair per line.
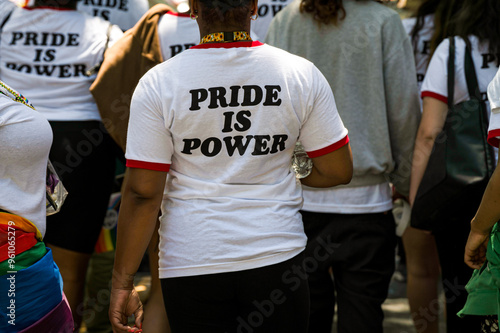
x,y
461,161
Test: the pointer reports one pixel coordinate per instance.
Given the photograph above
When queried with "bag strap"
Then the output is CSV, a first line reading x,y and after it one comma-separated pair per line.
x,y
474,93
5,20
451,73
470,75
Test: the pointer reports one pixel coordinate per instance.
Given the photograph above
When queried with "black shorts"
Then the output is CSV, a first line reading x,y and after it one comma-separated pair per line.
x,y
270,299
83,155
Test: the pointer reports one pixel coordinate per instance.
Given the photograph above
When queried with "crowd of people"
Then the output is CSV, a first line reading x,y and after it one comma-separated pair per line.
x,y
206,102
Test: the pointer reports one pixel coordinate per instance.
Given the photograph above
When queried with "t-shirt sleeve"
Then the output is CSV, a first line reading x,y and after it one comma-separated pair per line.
x,y
115,34
322,131
436,78
149,141
494,98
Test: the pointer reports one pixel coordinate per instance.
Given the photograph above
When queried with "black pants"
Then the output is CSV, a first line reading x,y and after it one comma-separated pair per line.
x,y
454,272
360,251
271,299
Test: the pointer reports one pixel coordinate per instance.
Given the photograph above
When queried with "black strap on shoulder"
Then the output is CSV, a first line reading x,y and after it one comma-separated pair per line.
x,y
474,93
5,20
3,211
451,72
470,75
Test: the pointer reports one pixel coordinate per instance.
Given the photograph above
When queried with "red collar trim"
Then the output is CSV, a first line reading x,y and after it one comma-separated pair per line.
x,y
227,45
47,7
178,14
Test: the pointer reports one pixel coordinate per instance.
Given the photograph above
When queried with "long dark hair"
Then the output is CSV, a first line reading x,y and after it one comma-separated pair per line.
x,y
480,18
324,11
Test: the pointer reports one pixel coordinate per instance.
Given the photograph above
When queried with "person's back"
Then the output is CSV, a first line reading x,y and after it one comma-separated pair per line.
x,y
359,58
365,54
47,52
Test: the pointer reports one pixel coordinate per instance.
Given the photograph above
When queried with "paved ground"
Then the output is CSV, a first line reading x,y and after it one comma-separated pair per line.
x,y
397,311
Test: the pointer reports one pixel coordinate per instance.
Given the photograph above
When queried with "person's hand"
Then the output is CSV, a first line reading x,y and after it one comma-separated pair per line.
x,y
475,249
124,303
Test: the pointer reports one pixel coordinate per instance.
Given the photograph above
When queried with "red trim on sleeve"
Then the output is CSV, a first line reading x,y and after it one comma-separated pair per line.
x,y
227,45
48,7
434,95
329,149
148,165
493,137
178,14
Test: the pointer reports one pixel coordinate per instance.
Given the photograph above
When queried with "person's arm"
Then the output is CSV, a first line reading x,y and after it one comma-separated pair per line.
x,y
331,169
142,196
487,215
432,123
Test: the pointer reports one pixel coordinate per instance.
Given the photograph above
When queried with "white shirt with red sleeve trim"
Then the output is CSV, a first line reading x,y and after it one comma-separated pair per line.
x,y
494,98
436,80
227,134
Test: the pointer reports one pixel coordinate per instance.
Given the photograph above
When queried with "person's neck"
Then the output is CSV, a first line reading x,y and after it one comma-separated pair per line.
x,y
223,28
56,4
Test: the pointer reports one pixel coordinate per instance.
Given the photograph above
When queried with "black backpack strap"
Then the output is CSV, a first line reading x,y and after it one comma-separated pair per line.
x,y
451,73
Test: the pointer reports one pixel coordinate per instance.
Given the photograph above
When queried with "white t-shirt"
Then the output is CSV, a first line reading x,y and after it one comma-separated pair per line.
x,y
123,13
267,11
25,137
494,98
178,32
45,53
423,44
436,80
227,135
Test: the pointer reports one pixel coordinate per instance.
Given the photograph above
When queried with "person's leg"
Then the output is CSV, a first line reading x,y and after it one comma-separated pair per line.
x,y
320,249
155,316
274,298
423,277
455,273
98,292
201,304
364,264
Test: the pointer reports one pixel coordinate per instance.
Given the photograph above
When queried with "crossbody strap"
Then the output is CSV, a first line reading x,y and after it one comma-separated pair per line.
x,y
474,93
5,21
451,73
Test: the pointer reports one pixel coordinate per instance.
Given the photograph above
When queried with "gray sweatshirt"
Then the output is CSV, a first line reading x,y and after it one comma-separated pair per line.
x,y
368,61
